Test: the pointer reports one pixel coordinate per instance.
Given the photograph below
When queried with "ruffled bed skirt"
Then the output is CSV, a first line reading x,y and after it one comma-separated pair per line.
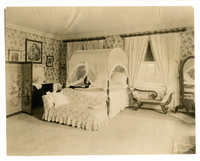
x,y
81,112
77,116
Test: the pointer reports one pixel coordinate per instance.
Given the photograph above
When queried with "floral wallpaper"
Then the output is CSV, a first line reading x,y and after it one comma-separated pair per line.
x,y
63,55
113,42
15,40
186,37
187,43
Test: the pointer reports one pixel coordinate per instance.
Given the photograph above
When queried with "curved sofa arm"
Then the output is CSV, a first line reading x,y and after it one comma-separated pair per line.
x,y
167,98
48,103
136,96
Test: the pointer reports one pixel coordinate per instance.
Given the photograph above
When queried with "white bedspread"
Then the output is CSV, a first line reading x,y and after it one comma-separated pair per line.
x,y
118,97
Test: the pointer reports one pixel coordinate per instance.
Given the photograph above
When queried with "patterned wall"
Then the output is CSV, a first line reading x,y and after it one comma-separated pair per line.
x,y
15,40
186,47
113,42
63,73
187,43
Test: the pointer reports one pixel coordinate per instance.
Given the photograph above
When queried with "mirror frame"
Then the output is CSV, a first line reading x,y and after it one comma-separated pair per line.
x,y
184,63
181,72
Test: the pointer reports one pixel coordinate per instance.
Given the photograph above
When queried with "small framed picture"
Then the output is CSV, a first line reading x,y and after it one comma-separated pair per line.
x,y
14,55
33,51
49,61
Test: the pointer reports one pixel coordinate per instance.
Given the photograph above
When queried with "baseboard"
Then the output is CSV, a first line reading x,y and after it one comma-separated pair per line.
x,y
8,115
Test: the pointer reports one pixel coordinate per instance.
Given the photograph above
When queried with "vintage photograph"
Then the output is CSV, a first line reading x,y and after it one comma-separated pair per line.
x,y
49,61
125,74
33,51
14,56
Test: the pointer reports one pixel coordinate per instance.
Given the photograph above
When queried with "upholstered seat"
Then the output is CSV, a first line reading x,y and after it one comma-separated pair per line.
x,y
163,102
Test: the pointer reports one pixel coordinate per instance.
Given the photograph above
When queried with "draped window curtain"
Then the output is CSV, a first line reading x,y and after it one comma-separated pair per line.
x,y
135,48
166,51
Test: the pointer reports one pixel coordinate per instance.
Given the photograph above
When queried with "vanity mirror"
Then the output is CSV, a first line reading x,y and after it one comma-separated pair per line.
x,y
187,84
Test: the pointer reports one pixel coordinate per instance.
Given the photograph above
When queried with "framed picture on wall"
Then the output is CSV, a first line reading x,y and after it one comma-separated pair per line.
x,y
14,55
33,51
49,61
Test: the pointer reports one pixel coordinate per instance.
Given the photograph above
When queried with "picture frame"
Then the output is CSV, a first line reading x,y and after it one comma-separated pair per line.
x,y
49,61
14,56
33,52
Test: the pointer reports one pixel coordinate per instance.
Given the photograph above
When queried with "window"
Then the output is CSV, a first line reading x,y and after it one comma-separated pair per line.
x,y
149,74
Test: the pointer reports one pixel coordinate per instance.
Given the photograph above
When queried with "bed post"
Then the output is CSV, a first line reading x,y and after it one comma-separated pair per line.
x,y
108,99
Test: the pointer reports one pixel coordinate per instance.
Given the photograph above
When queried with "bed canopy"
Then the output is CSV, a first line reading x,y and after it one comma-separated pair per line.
x,y
95,63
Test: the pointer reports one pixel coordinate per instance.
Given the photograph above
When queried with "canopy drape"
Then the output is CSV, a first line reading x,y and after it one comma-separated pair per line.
x,y
92,62
86,45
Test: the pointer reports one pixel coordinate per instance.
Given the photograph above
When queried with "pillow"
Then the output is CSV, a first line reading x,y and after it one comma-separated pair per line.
x,y
100,81
58,98
118,77
48,101
147,95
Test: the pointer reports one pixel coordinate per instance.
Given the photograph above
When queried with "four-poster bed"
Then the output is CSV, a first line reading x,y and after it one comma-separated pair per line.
x,y
107,94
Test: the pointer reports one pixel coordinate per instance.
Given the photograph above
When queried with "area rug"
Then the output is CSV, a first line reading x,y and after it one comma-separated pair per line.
x,y
183,117
123,135
180,148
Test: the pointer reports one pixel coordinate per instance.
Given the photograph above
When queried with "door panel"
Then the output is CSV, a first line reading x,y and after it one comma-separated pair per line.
x,y
13,88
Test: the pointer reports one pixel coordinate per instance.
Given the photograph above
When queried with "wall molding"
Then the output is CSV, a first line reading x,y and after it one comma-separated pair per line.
x,y
99,34
32,31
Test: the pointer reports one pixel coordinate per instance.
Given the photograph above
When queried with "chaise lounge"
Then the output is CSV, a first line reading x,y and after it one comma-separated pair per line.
x,y
151,97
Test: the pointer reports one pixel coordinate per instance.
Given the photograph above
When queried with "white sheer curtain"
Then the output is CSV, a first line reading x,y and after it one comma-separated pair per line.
x,y
86,45
71,47
135,48
92,45
166,49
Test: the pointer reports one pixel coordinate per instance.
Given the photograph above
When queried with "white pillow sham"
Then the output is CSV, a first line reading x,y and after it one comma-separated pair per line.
x,y
100,81
58,98
119,78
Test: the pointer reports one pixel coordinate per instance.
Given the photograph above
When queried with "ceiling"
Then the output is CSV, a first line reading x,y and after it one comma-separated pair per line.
x,y
78,22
